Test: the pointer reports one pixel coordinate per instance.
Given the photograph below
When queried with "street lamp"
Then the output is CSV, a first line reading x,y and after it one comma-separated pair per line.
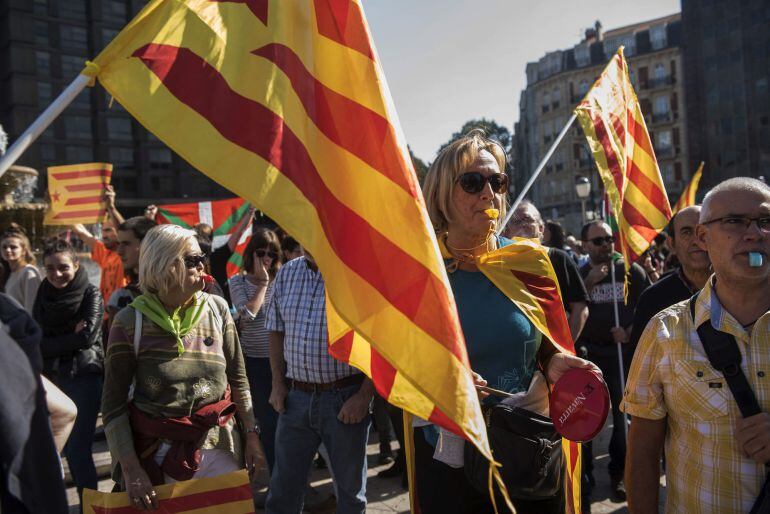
x,y
583,189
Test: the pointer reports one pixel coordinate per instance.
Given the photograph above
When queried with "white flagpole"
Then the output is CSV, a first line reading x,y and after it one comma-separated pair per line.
x,y
620,349
534,176
42,122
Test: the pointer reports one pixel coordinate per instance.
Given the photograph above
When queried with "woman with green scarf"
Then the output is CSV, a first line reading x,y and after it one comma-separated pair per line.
x,y
176,401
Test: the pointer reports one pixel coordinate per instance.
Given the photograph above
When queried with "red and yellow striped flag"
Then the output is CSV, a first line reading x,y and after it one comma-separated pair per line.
x,y
224,494
614,126
284,102
687,198
76,193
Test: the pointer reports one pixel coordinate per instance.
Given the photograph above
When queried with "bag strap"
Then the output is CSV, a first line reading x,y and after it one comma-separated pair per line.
x,y
137,330
724,355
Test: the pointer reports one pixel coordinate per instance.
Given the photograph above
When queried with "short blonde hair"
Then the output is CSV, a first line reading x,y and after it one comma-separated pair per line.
x,y
161,258
451,162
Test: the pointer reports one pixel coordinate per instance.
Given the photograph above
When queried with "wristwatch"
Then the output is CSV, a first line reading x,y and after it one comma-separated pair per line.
x,y
254,429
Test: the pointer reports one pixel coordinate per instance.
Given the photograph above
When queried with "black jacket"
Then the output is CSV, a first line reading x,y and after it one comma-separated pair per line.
x,y
75,352
30,475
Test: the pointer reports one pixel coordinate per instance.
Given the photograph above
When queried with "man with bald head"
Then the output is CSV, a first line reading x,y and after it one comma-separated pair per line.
x,y
715,459
681,284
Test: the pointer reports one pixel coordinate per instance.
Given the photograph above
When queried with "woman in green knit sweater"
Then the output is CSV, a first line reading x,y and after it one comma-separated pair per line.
x,y
175,381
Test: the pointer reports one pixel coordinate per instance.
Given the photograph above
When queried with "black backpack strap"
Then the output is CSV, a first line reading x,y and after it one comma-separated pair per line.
x,y
725,356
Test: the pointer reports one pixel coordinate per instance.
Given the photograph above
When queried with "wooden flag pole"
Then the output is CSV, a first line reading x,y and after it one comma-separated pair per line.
x,y
534,176
620,349
42,122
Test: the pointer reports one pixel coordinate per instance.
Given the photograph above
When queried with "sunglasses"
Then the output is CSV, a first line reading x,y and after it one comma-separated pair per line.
x,y
598,241
193,261
262,253
473,182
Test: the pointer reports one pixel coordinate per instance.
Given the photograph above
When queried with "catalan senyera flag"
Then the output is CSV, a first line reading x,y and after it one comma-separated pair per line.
x,y
76,193
524,273
224,494
614,126
284,102
687,197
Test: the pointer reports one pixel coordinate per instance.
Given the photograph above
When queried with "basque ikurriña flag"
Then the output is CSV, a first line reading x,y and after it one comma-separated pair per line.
x,y
613,123
284,102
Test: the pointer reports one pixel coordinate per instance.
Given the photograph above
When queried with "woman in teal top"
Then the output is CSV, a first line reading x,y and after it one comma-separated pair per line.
x,y
465,195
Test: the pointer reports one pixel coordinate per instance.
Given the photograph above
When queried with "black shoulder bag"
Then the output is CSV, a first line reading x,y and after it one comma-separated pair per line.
x,y
725,356
529,449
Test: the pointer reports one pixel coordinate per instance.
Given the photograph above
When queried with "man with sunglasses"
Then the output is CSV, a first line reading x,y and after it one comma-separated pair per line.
x,y
716,460
600,335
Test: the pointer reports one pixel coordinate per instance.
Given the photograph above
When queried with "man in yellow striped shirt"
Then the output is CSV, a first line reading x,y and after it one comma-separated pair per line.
x,y
715,459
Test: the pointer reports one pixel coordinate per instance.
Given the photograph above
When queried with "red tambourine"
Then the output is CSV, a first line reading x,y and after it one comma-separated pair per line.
x,y
579,404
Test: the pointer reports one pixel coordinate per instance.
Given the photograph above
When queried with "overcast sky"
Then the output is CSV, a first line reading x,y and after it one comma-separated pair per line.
x,y
448,61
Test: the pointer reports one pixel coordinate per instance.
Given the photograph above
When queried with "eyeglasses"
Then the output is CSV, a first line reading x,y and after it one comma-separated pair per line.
x,y
262,253
741,223
473,182
598,241
193,261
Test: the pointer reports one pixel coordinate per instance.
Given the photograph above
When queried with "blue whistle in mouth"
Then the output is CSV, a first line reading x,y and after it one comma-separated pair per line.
x,y
755,259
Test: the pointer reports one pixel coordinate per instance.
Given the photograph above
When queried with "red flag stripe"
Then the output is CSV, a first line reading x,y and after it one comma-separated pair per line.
x,y
257,7
342,347
84,200
72,175
648,188
244,122
609,153
617,124
189,502
439,418
640,135
342,21
357,129
545,291
383,374
633,216
79,214
77,188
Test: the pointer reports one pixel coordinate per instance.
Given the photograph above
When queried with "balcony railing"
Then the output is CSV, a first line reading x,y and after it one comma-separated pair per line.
x,y
656,82
662,117
664,151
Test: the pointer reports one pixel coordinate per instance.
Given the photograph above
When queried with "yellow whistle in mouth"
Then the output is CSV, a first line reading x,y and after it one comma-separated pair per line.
x,y
492,213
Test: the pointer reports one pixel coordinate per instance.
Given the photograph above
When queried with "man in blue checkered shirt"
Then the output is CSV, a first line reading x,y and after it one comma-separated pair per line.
x,y
319,399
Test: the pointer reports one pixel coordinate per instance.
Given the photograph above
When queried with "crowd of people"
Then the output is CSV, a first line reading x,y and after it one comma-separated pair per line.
x,y
196,374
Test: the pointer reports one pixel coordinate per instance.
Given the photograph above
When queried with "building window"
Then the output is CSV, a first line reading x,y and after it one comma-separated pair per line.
x,y
78,154
72,9
660,106
582,55
119,129
160,158
77,127
43,63
583,88
546,101
658,37
121,157
107,36
71,66
115,11
664,146
73,37
41,33
44,94
47,153
556,98
667,170
40,7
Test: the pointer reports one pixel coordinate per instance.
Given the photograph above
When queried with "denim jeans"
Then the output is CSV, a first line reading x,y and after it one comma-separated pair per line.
x,y
261,383
86,391
310,419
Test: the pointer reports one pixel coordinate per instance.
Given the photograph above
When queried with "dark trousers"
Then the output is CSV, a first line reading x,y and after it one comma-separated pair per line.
x,y
607,360
442,489
86,392
261,384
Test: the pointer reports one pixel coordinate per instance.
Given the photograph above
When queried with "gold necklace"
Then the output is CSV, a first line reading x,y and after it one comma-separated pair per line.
x,y
468,258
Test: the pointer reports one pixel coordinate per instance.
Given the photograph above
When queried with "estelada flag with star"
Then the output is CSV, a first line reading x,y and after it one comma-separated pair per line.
x,y
224,494
76,193
284,102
